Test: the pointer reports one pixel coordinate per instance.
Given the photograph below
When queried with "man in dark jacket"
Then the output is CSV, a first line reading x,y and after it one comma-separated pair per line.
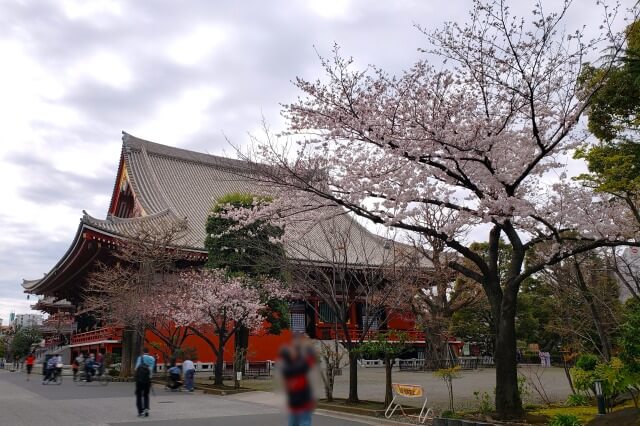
x,y
297,361
144,367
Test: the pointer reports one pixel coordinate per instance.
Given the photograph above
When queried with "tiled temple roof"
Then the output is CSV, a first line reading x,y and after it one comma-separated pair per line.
x,y
168,180
50,301
178,185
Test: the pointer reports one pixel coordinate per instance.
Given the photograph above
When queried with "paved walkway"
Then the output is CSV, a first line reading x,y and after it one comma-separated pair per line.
x,y
33,404
371,384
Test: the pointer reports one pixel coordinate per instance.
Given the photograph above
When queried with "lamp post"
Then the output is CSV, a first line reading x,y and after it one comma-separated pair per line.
x,y
600,397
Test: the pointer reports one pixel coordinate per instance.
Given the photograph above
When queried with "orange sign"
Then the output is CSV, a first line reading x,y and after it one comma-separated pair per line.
x,y
409,391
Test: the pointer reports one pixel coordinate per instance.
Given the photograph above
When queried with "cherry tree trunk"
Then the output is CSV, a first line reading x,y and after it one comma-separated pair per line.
x,y
353,376
388,366
126,363
217,378
508,402
436,355
131,349
222,338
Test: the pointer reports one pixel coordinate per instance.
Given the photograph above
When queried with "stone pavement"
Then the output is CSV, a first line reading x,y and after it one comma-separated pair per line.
x,y
30,403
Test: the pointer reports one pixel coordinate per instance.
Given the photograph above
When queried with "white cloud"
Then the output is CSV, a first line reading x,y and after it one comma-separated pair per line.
x,y
104,67
197,45
94,9
177,119
331,9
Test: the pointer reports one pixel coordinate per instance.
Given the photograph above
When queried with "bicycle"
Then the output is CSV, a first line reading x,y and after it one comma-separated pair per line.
x,y
102,378
54,377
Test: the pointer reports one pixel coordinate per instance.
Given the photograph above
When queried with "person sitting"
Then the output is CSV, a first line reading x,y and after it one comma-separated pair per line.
x,y
174,381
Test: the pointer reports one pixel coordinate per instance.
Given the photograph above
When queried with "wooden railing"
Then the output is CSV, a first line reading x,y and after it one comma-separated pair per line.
x,y
104,333
357,335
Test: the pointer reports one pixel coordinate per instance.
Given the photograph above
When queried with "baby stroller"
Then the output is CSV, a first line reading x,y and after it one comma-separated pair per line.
x,y
173,379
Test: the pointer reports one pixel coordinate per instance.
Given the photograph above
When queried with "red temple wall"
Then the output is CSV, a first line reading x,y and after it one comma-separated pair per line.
x,y
262,346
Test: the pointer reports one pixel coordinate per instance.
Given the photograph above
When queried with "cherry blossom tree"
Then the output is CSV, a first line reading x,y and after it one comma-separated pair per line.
x,y
131,286
485,135
211,300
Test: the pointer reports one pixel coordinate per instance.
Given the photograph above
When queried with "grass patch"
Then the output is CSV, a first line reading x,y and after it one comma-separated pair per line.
x,y
584,413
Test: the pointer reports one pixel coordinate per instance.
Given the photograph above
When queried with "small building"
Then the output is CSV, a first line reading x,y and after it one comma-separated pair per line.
x,y
27,320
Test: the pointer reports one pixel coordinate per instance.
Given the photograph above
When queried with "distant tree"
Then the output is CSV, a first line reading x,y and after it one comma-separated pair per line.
x,y
4,345
626,268
586,304
630,347
332,356
536,310
386,346
251,251
443,293
614,118
23,340
614,110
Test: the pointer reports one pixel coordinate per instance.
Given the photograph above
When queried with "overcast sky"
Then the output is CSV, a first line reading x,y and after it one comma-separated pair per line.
x,y
75,73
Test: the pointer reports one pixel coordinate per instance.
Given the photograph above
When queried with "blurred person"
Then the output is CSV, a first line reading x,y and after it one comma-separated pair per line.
x,y
52,368
189,372
297,359
75,366
100,362
174,381
90,366
28,362
144,367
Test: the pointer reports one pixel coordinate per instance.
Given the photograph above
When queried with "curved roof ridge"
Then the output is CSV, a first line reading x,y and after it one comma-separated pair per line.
x,y
116,189
29,284
182,154
143,180
87,218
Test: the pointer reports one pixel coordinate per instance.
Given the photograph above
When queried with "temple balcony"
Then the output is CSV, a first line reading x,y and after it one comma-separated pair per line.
x,y
49,329
355,334
101,335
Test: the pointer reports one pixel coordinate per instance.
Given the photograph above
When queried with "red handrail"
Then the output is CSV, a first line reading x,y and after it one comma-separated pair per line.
x,y
100,334
356,334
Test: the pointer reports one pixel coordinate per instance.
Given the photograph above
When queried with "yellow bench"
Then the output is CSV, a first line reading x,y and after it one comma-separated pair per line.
x,y
406,391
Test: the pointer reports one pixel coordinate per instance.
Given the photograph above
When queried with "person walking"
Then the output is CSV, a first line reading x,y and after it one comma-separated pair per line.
x,y
189,372
297,361
28,362
100,362
144,366
74,367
